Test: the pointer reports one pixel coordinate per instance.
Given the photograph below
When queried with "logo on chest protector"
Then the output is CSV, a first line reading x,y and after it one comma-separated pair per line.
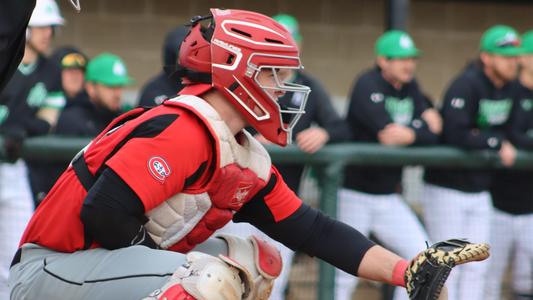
x,y
240,194
158,168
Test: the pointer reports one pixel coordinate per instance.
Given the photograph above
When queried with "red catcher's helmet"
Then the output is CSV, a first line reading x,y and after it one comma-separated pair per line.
x,y
230,53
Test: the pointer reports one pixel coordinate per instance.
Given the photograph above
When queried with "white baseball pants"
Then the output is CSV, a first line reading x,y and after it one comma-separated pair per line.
x,y
450,213
16,208
510,234
390,219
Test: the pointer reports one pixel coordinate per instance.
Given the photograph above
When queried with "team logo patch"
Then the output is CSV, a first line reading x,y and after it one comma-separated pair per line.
x,y
158,168
377,97
241,193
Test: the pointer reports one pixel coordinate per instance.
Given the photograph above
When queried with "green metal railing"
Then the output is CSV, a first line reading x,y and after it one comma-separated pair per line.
x,y
329,163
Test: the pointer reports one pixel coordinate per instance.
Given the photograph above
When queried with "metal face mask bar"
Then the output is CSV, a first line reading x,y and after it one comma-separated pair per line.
x,y
289,114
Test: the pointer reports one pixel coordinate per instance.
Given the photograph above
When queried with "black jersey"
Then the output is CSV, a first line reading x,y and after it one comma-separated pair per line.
x,y
32,87
474,114
512,190
84,118
375,103
319,110
159,88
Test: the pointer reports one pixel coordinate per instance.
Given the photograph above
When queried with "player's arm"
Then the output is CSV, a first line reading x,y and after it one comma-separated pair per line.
x,y
113,212
459,113
15,15
279,213
519,129
113,215
423,126
367,107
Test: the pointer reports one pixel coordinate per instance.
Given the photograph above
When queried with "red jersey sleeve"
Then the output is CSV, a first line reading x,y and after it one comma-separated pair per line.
x,y
157,168
281,200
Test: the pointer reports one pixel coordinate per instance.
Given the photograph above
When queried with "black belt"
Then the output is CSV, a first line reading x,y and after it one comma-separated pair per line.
x,y
16,258
82,171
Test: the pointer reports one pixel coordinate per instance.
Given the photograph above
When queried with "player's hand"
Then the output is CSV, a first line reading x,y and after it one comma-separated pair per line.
x,y
433,119
396,135
312,139
507,154
50,115
262,139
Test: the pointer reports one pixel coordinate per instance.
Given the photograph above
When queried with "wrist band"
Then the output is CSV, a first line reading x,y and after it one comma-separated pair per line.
x,y
399,272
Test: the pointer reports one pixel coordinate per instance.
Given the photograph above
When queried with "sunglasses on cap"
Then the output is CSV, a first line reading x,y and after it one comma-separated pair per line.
x,y
73,60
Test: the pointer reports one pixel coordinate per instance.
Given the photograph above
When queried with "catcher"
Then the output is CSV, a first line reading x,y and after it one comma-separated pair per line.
x,y
131,216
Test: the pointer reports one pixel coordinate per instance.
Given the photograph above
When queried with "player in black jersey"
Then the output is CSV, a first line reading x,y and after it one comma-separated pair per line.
x,y
386,107
475,109
512,192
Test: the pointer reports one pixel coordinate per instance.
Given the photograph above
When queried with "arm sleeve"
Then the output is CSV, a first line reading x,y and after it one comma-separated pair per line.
x,y
113,214
424,136
459,113
326,115
367,106
519,126
312,232
36,126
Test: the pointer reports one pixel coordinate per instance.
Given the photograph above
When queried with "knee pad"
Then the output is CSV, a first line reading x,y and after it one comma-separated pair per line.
x,y
259,261
202,277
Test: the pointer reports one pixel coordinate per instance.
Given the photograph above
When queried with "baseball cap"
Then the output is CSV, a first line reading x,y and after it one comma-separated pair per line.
x,y
500,40
396,44
527,42
291,24
107,69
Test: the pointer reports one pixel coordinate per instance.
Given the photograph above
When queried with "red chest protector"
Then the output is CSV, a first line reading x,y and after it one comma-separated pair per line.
x,y
239,171
243,168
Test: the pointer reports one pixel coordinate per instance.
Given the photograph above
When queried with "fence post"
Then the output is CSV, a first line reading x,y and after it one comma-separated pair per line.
x,y
330,178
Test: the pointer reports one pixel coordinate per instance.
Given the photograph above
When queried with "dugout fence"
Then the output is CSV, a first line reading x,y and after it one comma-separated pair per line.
x,y
328,164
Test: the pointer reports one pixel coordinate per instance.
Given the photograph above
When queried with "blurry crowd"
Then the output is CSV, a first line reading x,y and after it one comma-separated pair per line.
x,y
488,105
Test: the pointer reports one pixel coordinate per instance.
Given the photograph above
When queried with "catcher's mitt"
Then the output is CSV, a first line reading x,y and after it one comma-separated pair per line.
x,y
426,274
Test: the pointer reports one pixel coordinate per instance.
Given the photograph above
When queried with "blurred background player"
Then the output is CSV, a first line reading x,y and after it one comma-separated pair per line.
x,y
475,109
30,92
166,84
512,193
71,63
106,76
387,107
39,113
319,125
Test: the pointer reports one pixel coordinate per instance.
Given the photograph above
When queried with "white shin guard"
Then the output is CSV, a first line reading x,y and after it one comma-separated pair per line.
x,y
246,273
203,277
258,260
